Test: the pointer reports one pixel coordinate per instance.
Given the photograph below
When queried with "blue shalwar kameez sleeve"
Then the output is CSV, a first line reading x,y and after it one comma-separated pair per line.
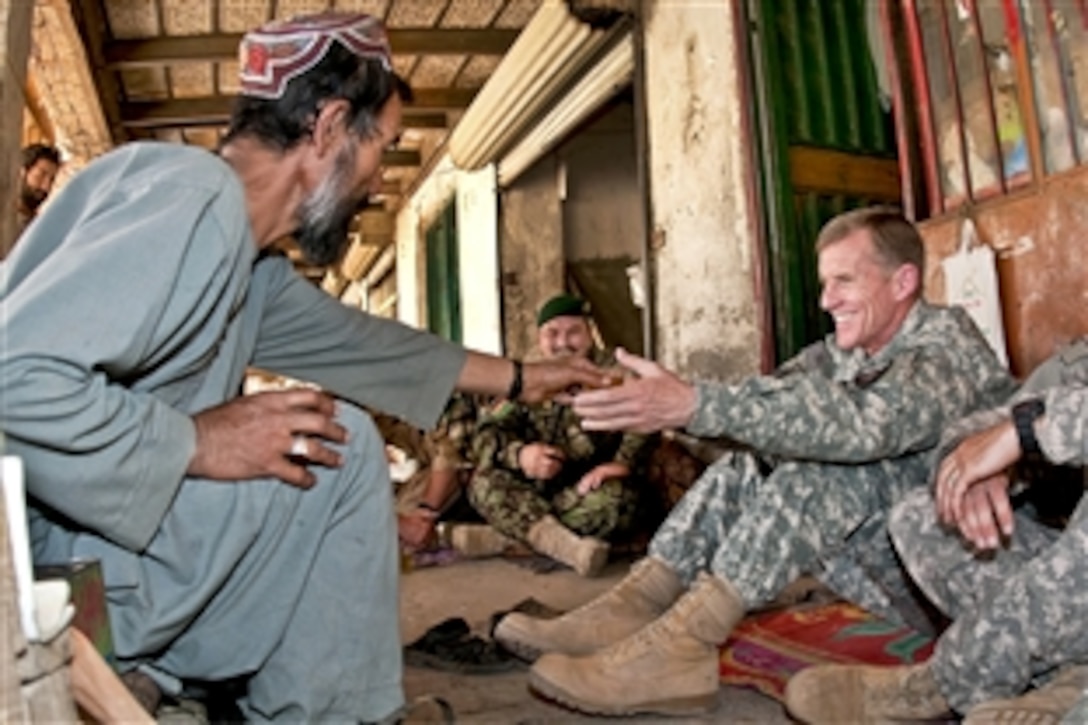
x,y
137,299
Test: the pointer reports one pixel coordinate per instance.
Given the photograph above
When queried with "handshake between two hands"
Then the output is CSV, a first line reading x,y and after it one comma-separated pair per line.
x,y
639,396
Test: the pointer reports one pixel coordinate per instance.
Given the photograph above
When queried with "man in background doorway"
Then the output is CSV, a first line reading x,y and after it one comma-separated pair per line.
x,y
37,172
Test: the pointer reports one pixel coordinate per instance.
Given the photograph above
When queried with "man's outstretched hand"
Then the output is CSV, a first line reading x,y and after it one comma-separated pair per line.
x,y
651,400
273,434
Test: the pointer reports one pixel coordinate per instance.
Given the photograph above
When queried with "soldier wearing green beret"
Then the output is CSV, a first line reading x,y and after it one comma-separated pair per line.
x,y
544,481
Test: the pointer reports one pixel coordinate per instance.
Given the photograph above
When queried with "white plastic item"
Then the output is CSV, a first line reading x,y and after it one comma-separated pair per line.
x,y
11,480
53,608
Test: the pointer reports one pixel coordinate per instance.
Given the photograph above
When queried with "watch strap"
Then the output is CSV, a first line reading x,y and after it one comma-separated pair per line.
x,y
1024,415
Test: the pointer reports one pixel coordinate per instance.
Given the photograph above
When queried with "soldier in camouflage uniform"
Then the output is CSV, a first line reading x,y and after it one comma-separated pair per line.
x,y
827,444
543,480
1014,584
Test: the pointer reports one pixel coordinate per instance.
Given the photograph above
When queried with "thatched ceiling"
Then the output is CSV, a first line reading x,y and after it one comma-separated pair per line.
x,y
167,69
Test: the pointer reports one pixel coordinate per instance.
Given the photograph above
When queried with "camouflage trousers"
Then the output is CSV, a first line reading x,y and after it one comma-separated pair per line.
x,y
512,504
1017,614
760,530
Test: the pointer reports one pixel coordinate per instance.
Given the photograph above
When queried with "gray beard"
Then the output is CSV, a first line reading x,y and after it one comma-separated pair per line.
x,y
326,215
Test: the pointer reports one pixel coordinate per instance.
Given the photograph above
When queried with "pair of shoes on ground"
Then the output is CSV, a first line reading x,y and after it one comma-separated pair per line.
x,y
649,645
450,646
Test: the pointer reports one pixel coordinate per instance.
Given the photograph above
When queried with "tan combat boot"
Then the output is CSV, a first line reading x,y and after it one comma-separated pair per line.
x,y
640,598
862,693
585,554
1046,705
668,667
476,541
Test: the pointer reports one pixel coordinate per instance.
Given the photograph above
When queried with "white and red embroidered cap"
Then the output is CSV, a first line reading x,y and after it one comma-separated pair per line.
x,y
270,56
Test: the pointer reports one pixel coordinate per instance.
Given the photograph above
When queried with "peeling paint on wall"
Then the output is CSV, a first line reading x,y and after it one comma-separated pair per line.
x,y
706,315
531,254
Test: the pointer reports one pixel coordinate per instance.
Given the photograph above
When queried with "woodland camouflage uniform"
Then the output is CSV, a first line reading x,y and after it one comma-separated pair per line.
x,y
512,503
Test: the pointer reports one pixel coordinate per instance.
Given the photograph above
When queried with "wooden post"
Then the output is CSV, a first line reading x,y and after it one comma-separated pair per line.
x,y
15,25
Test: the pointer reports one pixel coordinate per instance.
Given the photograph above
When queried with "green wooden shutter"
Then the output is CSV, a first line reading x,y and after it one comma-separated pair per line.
x,y
443,287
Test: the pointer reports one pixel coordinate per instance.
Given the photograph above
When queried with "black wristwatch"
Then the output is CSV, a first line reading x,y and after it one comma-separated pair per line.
x,y
1024,415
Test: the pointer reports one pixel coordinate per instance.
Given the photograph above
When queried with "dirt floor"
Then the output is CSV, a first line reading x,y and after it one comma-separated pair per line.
x,y
477,589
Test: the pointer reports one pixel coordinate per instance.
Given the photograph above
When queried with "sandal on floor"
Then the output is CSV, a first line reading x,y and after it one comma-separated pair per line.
x,y
449,646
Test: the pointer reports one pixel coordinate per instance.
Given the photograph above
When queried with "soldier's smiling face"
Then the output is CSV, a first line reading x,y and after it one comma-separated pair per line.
x,y
565,336
866,297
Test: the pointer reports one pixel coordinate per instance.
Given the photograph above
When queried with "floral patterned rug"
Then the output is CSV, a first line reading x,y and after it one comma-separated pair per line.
x,y
766,649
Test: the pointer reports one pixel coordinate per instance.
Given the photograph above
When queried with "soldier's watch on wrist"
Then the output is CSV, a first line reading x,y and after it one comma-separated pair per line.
x,y
1024,415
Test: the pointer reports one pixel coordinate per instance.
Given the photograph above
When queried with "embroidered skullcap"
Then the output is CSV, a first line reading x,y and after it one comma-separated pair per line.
x,y
270,56
562,306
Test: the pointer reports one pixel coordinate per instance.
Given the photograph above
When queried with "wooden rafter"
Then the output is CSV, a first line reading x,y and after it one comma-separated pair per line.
x,y
401,157
88,17
37,111
215,111
224,46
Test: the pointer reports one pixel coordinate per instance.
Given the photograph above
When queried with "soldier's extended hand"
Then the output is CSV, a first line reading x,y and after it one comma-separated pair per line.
x,y
540,461
978,458
652,400
987,513
267,434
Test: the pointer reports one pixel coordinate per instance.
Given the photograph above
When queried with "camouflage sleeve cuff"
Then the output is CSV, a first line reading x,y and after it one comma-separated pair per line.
x,y
1063,431
508,456
956,433
712,405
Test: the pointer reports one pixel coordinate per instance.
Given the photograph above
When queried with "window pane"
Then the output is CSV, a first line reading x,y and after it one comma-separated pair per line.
x,y
943,103
1008,114
1052,76
1073,42
979,97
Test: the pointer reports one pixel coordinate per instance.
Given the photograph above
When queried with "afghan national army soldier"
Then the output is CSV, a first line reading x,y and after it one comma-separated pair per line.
x,y
542,479
826,445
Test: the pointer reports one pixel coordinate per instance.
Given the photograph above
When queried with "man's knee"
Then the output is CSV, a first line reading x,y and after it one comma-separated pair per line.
x,y
913,514
364,459
362,431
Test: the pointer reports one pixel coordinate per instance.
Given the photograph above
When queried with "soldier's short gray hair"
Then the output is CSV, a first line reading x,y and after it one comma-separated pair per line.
x,y
896,239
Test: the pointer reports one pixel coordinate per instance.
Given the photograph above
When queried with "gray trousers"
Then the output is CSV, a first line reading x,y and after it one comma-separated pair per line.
x,y
1016,615
759,530
295,589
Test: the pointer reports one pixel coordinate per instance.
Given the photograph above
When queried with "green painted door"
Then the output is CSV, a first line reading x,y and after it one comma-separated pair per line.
x,y
826,143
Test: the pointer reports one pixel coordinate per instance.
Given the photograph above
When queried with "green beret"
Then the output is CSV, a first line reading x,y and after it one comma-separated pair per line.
x,y
562,306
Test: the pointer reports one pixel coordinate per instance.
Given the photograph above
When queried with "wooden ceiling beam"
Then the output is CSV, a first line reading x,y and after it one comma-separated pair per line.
x,y
224,46
427,111
91,23
401,157
36,109
446,99
374,224
390,188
